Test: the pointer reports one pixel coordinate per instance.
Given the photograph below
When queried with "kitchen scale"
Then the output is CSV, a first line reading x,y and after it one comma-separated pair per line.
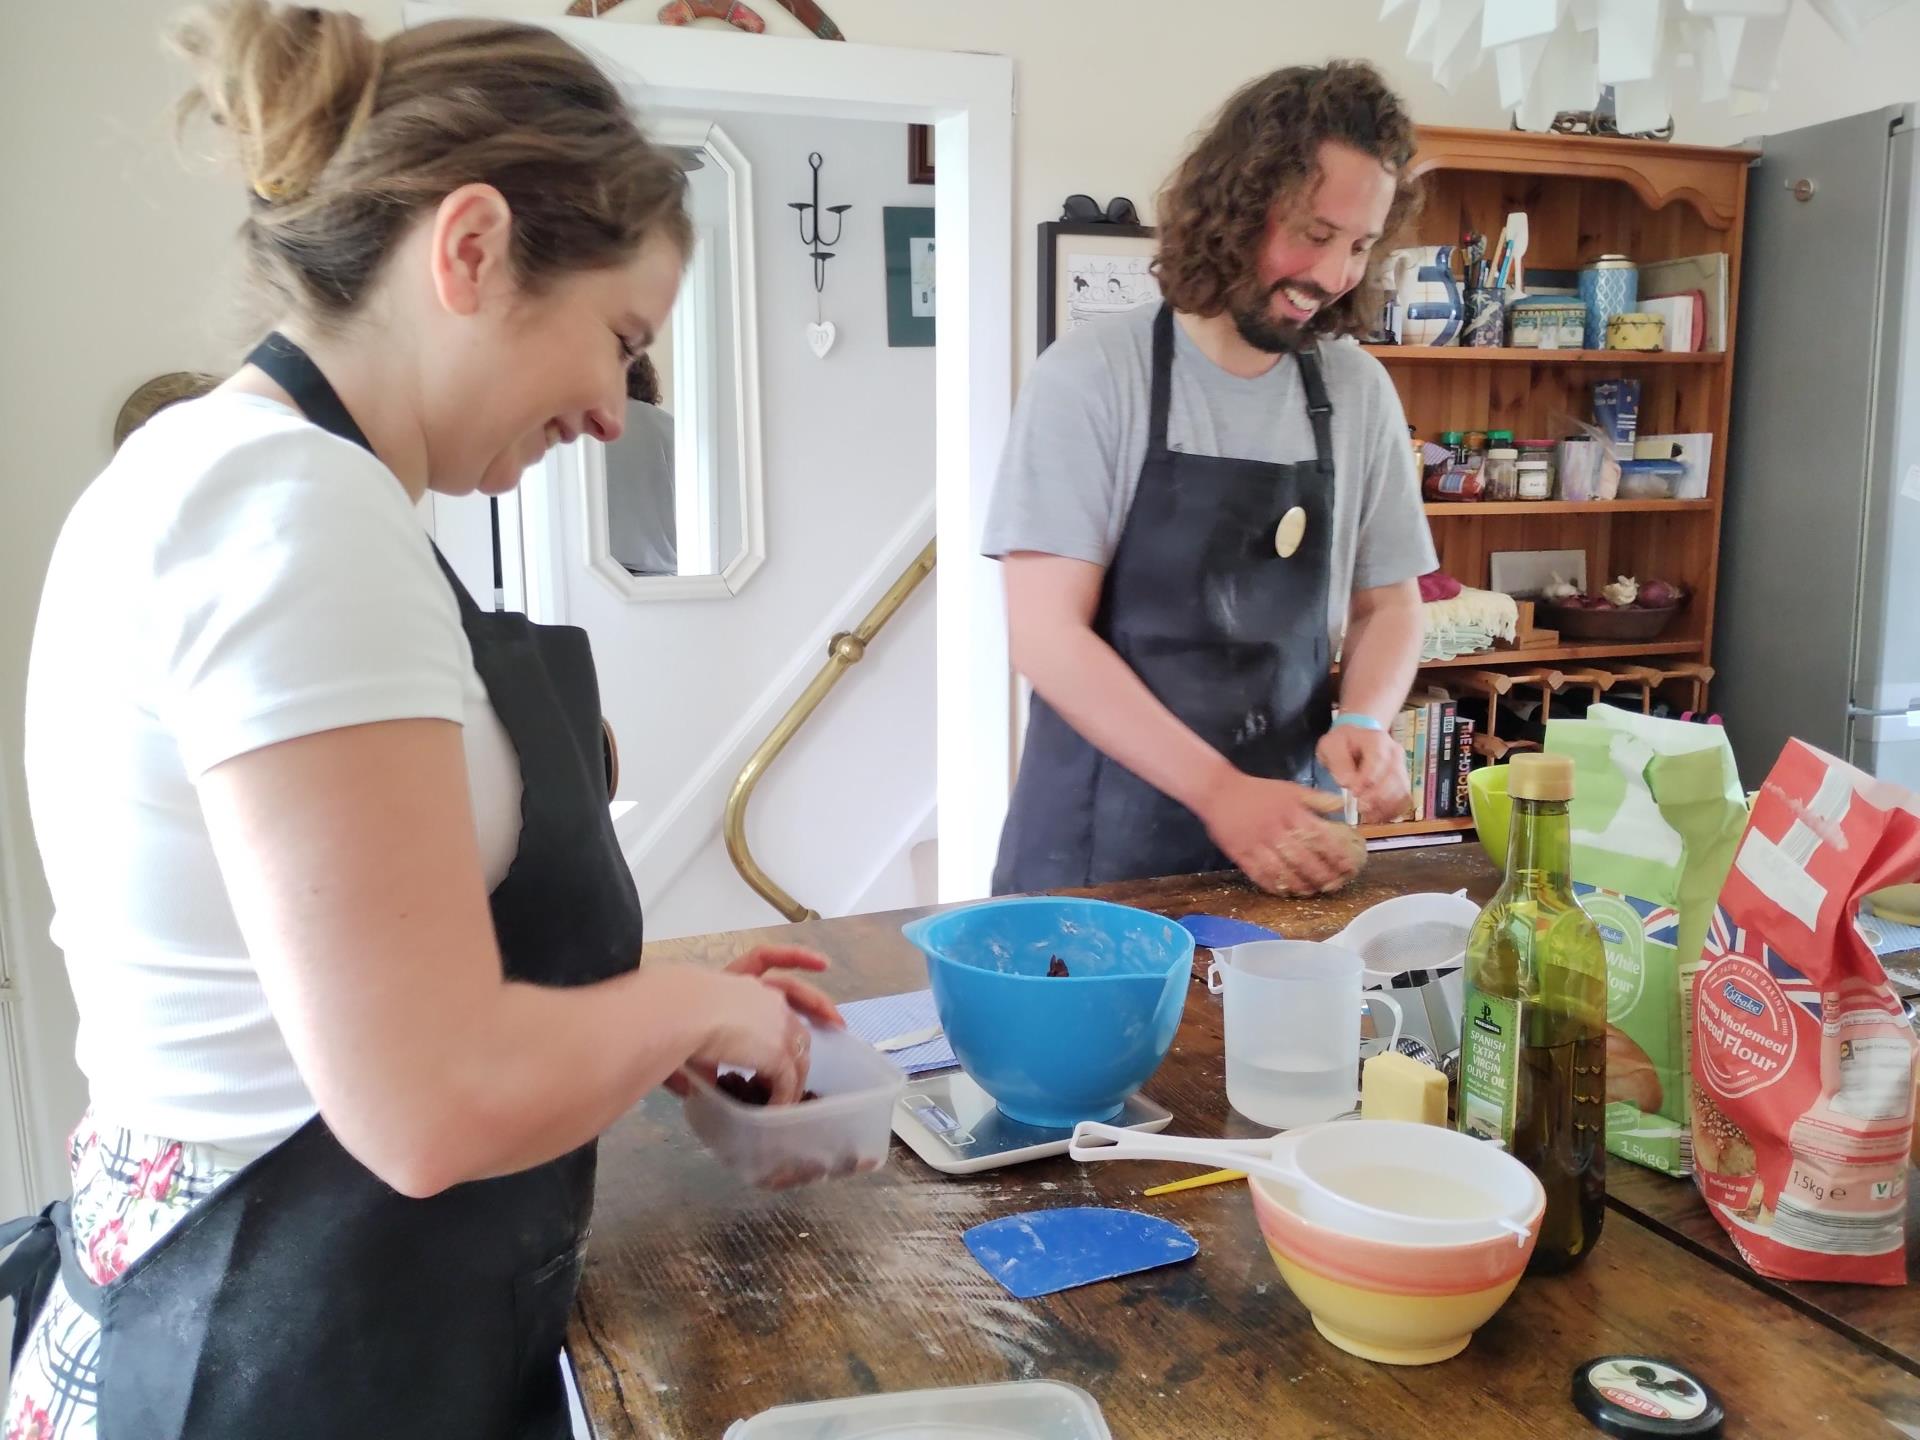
x,y
955,1126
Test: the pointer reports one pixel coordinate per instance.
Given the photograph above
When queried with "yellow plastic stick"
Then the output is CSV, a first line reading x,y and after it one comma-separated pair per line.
x,y
1212,1177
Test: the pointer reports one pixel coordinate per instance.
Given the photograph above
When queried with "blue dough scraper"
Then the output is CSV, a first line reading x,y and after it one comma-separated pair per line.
x,y
1046,1251
1218,932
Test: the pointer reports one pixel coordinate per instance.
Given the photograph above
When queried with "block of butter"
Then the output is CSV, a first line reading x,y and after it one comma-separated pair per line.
x,y
1398,1087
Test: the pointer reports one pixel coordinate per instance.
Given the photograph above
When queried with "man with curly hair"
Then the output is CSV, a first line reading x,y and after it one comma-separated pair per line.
x,y
1202,503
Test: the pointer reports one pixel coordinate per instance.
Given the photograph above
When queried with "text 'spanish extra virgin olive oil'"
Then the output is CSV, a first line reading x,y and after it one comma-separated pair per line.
x,y
1533,1047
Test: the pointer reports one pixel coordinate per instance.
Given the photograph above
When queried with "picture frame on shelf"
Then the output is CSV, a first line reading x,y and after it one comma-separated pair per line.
x,y
920,155
907,232
1092,268
1526,573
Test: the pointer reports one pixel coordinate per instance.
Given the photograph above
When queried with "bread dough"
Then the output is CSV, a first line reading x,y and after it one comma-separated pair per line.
x,y
1357,856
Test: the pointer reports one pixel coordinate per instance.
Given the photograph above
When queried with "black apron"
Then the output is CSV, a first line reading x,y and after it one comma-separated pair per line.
x,y
306,1298
1227,634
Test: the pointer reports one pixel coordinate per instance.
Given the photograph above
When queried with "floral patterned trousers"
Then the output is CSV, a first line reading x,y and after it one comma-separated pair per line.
x,y
128,1191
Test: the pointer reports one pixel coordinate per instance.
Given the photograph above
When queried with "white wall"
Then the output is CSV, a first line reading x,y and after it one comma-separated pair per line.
x,y
1821,79
111,266
847,454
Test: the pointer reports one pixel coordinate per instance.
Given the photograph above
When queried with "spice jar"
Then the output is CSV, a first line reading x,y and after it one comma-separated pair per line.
x,y
1538,452
1455,440
1536,480
1502,473
1477,442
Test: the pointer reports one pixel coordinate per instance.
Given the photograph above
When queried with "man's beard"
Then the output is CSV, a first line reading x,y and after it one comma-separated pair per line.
x,y
1260,329
1263,332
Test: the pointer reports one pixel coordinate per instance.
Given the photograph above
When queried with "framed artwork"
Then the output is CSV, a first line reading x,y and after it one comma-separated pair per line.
x,y
908,232
1526,573
1089,269
920,155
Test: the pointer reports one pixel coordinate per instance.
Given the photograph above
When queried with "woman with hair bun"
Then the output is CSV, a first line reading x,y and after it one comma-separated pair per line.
x,y
355,953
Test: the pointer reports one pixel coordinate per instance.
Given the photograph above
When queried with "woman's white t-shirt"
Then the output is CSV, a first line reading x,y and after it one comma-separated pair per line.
x,y
236,577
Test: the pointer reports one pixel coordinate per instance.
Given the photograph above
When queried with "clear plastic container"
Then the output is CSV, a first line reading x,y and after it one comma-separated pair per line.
x,y
1650,479
844,1132
1502,473
1027,1410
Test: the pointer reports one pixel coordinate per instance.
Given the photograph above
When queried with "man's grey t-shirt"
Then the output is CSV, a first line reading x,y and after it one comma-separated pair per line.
x,y
642,523
1079,434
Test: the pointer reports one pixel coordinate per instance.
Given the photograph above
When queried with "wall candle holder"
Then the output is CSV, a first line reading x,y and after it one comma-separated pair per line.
x,y
820,334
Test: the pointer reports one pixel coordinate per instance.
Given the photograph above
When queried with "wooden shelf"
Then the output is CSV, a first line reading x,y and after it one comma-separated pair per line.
x,y
1509,355
1583,196
1541,653
1449,826
1466,509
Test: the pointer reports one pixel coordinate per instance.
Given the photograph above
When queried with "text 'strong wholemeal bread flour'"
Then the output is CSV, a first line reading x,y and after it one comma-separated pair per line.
x,y
1803,1061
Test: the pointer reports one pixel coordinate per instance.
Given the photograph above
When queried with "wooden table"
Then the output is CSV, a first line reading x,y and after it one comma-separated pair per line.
x,y
704,1303
1879,1318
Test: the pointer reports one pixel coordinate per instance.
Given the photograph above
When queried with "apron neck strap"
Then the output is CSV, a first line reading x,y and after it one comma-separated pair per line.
x,y
1162,384
1319,407
293,370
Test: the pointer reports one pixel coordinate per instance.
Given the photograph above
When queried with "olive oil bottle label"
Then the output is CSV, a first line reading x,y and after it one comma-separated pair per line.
x,y
1489,1066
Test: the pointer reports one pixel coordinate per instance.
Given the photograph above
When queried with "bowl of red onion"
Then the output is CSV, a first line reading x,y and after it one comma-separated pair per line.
x,y
1626,610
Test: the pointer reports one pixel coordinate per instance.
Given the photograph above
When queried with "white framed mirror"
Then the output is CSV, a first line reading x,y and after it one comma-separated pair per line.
x,y
674,508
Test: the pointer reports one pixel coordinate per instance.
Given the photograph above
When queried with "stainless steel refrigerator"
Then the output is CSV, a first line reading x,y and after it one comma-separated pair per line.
x,y
1817,632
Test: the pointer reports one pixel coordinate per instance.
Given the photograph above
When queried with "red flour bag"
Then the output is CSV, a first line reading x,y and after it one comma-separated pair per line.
x,y
1803,1063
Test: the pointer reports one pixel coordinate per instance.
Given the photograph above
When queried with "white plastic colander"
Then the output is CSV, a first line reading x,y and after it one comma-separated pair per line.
x,y
1389,1180
1415,946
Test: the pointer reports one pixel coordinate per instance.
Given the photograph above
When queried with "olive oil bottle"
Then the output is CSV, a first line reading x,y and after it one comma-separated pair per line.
x,y
1533,1047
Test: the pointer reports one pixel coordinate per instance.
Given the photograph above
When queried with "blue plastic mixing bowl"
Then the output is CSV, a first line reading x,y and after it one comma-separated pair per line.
x,y
1051,1050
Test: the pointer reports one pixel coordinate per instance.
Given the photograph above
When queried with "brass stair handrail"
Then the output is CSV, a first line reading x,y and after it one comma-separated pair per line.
x,y
844,651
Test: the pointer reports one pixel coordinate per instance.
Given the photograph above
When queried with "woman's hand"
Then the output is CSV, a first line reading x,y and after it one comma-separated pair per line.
x,y
764,961
758,1017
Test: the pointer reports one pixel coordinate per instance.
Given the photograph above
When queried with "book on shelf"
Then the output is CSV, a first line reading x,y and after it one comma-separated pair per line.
x,y
1402,731
1463,765
1436,741
1417,773
1429,793
1441,784
1703,280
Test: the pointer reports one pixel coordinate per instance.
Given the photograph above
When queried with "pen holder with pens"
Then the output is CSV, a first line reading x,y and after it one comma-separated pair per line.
x,y
1486,325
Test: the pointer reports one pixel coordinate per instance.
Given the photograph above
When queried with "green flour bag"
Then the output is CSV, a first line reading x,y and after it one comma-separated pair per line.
x,y
1657,815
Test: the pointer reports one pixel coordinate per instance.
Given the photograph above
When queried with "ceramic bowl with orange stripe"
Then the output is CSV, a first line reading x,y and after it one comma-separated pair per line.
x,y
1389,1301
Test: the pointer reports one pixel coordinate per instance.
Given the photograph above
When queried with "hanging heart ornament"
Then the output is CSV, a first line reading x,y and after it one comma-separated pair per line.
x,y
820,338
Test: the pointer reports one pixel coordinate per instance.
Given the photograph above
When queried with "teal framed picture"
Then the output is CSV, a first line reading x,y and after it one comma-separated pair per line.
x,y
907,231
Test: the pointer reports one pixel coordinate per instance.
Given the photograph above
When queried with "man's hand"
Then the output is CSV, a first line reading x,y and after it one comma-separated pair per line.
x,y
1277,833
1371,766
1377,664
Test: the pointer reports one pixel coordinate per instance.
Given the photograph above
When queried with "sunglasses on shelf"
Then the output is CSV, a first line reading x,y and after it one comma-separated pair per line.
x,y
1086,210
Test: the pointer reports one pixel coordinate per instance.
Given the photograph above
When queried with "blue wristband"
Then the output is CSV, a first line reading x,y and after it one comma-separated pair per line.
x,y
1358,722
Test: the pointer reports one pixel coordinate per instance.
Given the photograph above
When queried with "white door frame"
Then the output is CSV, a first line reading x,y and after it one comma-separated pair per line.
x,y
968,99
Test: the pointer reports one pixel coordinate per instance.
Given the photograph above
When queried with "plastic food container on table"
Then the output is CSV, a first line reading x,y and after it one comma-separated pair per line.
x,y
1027,1410
844,1132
